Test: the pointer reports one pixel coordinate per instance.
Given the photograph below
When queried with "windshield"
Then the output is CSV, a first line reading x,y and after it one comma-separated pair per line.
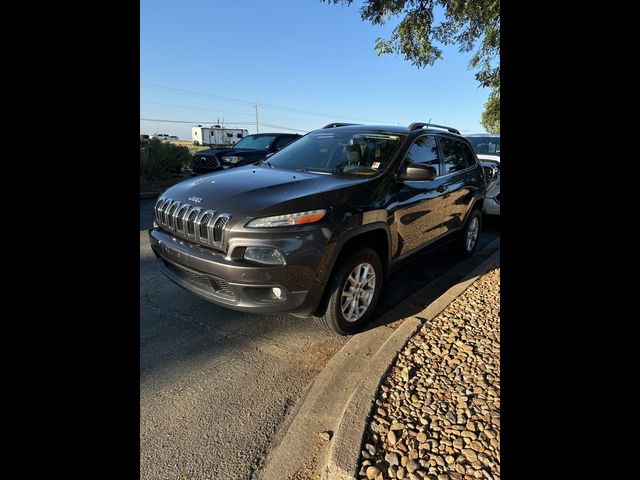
x,y
486,145
255,143
339,153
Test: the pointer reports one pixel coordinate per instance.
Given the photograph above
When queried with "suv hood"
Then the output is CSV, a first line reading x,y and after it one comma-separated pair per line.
x,y
250,191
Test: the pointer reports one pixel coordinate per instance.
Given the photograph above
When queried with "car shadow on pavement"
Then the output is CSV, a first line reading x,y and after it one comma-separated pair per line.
x,y
427,276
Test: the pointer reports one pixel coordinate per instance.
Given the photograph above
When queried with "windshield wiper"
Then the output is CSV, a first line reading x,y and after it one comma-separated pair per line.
x,y
269,164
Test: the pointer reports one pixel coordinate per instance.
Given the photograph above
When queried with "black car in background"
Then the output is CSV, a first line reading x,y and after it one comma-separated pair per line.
x,y
250,149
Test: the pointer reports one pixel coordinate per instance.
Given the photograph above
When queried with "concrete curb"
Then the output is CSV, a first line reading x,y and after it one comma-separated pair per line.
x,y
340,398
345,449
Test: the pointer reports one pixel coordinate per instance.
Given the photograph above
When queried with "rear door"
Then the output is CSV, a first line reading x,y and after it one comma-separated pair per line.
x,y
459,164
418,214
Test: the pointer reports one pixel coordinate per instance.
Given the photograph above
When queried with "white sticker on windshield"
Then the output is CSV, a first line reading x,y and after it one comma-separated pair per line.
x,y
375,165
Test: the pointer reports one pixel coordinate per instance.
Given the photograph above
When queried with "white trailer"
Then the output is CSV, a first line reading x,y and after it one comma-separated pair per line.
x,y
216,135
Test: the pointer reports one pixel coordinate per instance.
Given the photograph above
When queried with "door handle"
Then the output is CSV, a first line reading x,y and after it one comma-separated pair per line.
x,y
442,188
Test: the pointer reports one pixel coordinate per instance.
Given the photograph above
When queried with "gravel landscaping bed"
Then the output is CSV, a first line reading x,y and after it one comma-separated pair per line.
x,y
437,412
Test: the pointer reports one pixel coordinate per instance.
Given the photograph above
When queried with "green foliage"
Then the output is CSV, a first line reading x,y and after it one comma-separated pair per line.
x,y
473,25
160,159
490,118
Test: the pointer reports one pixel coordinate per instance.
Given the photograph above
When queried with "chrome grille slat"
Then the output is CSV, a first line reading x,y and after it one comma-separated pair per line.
x,y
191,216
218,229
204,227
156,209
170,215
180,218
165,209
161,207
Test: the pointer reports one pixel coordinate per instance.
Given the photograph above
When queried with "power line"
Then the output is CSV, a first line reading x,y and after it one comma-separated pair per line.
x,y
195,94
212,109
196,108
252,103
228,122
284,128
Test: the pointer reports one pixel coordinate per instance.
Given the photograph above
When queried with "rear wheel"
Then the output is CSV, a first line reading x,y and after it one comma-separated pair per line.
x,y
467,243
354,291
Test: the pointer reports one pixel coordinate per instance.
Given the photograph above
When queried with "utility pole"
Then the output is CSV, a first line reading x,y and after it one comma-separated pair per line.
x,y
257,124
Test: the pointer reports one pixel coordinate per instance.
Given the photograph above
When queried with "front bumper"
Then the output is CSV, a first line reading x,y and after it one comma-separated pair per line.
x,y
229,284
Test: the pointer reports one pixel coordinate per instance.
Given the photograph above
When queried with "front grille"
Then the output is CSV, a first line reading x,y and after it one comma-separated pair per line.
x,y
208,283
206,161
205,227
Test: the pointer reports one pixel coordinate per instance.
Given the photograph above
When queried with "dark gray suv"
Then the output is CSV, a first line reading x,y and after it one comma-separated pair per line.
x,y
316,228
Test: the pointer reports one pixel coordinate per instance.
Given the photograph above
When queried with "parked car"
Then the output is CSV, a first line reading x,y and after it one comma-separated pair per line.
x,y
315,229
174,137
487,148
250,149
161,136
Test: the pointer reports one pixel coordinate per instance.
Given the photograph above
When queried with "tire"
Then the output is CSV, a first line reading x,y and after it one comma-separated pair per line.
x,y
353,264
464,246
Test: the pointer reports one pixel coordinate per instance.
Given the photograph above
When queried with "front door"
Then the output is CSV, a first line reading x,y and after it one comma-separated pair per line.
x,y
417,205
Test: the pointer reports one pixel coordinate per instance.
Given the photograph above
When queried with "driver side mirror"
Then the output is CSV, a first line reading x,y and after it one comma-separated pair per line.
x,y
417,172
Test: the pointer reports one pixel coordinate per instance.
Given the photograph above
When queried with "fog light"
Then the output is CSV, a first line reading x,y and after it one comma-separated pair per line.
x,y
277,292
264,255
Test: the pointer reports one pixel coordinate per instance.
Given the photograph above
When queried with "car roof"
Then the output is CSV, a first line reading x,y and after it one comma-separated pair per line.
x,y
483,135
387,129
368,128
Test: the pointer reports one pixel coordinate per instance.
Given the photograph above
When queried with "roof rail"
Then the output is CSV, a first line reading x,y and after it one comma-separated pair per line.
x,y
417,125
332,125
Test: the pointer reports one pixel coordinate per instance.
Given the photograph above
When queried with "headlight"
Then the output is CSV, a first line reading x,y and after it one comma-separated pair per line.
x,y
299,218
232,159
265,255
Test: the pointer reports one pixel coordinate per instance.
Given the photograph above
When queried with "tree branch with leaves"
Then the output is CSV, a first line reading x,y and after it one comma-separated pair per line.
x,y
473,25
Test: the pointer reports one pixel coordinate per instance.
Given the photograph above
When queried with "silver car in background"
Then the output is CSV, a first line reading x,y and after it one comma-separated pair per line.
x,y
487,148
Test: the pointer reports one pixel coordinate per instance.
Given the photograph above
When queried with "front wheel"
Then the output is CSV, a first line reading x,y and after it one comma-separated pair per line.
x,y
354,291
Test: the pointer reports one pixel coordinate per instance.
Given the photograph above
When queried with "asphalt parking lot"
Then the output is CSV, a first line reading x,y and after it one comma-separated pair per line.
x,y
215,384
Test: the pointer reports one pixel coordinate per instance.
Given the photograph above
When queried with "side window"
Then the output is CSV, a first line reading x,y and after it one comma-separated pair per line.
x,y
468,155
283,142
456,155
424,150
238,135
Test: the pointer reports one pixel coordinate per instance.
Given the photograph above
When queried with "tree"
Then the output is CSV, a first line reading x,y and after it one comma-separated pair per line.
x,y
490,118
473,25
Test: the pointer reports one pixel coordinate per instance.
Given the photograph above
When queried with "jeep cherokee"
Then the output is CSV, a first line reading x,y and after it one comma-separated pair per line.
x,y
316,228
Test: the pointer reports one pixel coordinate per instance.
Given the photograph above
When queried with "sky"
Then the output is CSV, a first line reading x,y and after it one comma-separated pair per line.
x,y
305,64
